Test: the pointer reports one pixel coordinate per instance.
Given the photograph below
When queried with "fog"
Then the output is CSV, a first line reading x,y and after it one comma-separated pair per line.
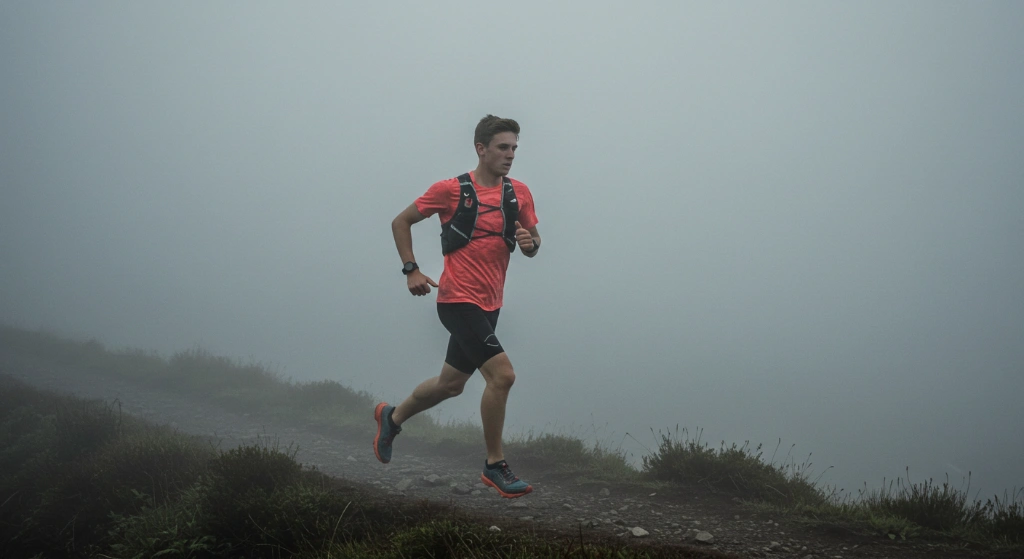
x,y
794,220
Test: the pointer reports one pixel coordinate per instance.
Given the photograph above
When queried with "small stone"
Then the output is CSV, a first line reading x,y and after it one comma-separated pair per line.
x,y
475,492
567,506
613,512
460,490
403,484
638,532
526,518
494,529
433,479
517,504
704,537
774,546
619,522
624,507
604,492
352,459
652,494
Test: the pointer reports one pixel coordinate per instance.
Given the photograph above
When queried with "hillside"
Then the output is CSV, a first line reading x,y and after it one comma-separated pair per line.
x,y
441,476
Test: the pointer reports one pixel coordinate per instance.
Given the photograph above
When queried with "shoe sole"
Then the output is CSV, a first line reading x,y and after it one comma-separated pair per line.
x,y
378,415
488,481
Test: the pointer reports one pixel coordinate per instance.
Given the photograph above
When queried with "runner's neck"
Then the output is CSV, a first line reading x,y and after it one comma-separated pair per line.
x,y
483,179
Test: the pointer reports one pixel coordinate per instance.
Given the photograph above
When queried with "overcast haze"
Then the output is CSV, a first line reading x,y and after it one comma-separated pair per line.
x,y
798,220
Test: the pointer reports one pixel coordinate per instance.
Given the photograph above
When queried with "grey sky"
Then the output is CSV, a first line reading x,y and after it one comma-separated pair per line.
x,y
798,220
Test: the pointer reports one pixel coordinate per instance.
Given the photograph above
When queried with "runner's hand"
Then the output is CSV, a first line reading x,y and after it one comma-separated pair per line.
x,y
418,283
524,238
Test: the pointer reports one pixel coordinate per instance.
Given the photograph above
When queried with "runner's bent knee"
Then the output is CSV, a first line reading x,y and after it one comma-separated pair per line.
x,y
504,380
452,381
498,372
453,389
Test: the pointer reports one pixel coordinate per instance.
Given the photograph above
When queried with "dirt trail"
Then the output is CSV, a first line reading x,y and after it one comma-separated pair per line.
x,y
679,517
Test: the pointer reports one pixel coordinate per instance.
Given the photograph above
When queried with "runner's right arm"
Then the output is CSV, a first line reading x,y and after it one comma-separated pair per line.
x,y
401,228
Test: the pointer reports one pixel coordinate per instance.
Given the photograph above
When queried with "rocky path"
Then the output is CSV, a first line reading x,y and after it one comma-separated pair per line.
x,y
678,517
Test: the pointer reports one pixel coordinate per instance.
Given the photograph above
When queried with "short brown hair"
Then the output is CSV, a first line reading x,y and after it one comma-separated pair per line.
x,y
490,126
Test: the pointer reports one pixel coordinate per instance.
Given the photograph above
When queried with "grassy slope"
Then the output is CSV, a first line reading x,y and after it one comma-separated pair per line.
x,y
80,479
899,511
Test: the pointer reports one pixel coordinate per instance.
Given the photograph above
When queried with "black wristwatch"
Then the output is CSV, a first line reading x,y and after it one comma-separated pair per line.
x,y
409,267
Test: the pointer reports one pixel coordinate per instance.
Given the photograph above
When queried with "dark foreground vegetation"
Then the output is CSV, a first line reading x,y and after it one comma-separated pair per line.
x,y
81,479
80,476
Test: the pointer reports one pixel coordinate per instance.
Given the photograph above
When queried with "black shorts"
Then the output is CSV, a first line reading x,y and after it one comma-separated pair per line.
x,y
472,340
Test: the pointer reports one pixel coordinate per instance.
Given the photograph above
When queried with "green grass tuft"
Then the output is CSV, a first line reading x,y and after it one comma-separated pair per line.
x,y
735,469
571,455
926,504
1007,517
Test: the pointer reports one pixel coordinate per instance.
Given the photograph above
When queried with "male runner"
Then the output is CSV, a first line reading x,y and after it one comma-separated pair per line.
x,y
484,216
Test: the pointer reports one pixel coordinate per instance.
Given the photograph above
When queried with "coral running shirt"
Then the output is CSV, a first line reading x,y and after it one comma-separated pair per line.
x,y
475,273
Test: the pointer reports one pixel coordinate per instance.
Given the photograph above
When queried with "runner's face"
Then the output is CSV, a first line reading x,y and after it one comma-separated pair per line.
x,y
497,157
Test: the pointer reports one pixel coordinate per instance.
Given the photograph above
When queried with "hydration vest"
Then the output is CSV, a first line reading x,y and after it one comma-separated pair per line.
x,y
458,231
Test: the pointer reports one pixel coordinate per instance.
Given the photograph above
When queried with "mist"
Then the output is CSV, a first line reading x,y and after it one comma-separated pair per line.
x,y
791,220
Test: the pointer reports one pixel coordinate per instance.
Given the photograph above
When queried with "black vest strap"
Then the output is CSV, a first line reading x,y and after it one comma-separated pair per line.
x,y
458,231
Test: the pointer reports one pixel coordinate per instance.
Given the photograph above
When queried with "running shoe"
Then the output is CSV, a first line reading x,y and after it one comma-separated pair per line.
x,y
508,484
386,432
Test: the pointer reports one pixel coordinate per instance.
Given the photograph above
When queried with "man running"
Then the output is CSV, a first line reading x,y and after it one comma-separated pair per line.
x,y
484,216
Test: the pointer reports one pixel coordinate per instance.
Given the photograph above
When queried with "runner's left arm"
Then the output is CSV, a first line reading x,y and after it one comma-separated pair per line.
x,y
528,239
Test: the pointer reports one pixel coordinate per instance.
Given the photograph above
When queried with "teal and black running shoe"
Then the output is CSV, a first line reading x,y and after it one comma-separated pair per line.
x,y
508,484
386,432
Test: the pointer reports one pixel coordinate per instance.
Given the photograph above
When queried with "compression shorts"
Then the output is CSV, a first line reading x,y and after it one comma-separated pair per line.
x,y
472,340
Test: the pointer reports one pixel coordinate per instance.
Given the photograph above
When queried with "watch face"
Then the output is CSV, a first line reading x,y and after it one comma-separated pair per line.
x,y
409,266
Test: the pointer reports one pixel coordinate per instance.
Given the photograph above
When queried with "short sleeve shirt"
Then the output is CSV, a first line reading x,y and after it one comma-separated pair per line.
x,y
475,273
